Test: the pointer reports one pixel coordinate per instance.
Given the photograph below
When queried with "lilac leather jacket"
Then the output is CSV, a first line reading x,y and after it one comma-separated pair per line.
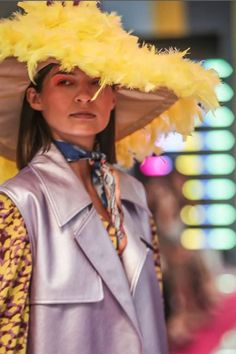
x,y
83,300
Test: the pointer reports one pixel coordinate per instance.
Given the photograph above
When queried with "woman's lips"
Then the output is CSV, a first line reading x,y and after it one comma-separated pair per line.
x,y
83,114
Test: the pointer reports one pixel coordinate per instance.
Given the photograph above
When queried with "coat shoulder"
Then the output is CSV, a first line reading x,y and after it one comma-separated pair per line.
x,y
24,180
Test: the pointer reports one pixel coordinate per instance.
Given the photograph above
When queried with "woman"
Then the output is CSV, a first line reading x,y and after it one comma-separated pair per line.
x,y
77,266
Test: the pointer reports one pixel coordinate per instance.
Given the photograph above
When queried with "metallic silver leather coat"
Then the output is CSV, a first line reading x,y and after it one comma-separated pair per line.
x,y
83,300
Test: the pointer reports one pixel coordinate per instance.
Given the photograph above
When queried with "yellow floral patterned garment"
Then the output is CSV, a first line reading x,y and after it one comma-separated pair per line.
x,y
15,272
156,252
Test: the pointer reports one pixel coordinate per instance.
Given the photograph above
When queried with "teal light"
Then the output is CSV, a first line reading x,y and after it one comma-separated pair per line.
x,y
213,164
220,164
221,239
211,238
224,92
219,140
221,117
223,68
218,189
209,189
214,140
220,214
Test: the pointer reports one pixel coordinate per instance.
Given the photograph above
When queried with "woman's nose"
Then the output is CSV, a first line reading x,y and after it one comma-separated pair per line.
x,y
83,95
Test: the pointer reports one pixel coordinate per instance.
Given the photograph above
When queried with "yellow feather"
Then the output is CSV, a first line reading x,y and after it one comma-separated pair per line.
x,y
96,42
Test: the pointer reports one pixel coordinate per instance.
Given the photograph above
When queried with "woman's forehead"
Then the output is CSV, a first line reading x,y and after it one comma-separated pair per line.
x,y
75,71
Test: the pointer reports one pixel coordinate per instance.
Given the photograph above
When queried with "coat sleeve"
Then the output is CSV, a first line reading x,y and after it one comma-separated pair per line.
x,y
15,273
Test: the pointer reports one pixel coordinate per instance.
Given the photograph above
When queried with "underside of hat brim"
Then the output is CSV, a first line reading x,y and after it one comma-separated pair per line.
x,y
134,109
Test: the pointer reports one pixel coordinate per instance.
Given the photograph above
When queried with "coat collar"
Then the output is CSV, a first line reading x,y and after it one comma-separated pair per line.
x,y
66,192
62,187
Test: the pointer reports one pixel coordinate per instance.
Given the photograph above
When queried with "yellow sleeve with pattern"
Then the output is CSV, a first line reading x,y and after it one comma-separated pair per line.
x,y
156,252
15,273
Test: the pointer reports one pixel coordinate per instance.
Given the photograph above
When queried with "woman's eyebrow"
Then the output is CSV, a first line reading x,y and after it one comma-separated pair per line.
x,y
63,73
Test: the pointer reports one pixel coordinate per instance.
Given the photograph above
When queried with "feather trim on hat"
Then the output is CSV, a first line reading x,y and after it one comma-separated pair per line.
x,y
96,42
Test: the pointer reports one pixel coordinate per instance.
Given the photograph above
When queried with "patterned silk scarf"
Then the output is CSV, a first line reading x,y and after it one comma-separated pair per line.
x,y
105,180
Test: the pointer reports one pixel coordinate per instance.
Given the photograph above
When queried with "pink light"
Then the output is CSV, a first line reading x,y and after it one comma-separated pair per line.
x,y
156,166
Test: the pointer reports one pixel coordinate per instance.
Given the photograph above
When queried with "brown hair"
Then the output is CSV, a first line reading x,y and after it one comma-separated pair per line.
x,y
35,134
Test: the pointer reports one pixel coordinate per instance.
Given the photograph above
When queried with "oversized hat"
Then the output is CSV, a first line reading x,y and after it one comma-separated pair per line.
x,y
159,92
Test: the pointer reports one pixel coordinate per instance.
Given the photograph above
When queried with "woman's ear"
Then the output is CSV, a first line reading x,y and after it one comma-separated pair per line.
x,y
34,99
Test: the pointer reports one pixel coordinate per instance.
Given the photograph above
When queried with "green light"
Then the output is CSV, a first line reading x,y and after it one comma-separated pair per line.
x,y
223,68
221,117
224,92
221,239
221,188
213,238
214,164
220,164
219,140
215,140
209,189
220,214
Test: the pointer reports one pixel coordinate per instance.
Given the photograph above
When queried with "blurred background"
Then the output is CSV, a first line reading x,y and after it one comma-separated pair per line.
x,y
191,187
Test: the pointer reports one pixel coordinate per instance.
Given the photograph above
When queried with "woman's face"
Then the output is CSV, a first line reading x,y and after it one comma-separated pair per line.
x,y
65,102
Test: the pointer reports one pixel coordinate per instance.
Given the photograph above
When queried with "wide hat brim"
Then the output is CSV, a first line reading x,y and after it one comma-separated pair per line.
x,y
134,109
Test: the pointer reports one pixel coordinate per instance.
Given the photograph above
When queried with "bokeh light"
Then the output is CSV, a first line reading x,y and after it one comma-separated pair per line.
x,y
214,189
220,118
214,164
208,214
226,283
213,238
224,92
218,140
193,215
221,66
193,239
171,143
156,166
215,140
221,239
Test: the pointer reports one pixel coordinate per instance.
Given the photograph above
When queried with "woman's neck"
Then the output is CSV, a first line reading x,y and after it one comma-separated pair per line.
x,y
86,143
82,169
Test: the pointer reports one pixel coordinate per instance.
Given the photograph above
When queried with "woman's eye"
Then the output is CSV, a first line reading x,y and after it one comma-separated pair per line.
x,y
65,82
96,82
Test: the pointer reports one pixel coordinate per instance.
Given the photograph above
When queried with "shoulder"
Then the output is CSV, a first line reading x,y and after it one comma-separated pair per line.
x,y
22,190
24,179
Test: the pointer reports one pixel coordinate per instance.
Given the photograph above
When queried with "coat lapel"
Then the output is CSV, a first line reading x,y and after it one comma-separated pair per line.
x,y
96,245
